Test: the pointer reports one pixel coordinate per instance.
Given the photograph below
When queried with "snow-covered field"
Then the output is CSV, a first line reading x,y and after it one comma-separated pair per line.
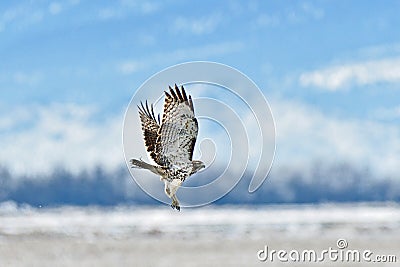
x,y
207,236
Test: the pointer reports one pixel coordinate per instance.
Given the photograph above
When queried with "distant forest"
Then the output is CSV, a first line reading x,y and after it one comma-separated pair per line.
x,y
339,183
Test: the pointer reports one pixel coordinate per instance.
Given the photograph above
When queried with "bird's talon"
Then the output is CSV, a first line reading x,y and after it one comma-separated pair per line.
x,y
173,206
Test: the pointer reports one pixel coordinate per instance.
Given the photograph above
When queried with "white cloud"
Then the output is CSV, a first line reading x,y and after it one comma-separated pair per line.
x,y
148,7
129,67
295,14
109,13
306,135
22,77
126,7
27,13
55,8
380,51
313,11
19,116
304,12
386,113
197,26
360,73
20,15
40,138
25,78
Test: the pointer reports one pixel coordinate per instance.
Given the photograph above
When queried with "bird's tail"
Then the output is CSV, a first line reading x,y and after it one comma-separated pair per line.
x,y
144,165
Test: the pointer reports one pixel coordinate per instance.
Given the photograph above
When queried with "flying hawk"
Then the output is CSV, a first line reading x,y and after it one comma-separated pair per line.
x,y
171,142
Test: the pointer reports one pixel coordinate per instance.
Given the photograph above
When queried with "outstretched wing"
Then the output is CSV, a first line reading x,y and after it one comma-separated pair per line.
x,y
150,127
178,131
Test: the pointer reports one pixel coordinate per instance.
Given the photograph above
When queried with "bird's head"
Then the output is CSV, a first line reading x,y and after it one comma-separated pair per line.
x,y
197,165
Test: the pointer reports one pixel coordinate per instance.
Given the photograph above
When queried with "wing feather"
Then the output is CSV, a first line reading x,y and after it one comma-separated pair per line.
x,y
178,131
150,128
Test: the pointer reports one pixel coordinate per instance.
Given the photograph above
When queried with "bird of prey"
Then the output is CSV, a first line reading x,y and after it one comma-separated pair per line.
x,y
170,142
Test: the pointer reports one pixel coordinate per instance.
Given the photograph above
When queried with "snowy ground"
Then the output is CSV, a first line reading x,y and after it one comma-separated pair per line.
x,y
208,236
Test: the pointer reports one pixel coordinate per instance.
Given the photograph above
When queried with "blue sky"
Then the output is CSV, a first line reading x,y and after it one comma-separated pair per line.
x,y
69,68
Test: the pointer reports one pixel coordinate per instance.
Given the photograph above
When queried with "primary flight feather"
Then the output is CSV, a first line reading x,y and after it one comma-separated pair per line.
x,y
170,141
